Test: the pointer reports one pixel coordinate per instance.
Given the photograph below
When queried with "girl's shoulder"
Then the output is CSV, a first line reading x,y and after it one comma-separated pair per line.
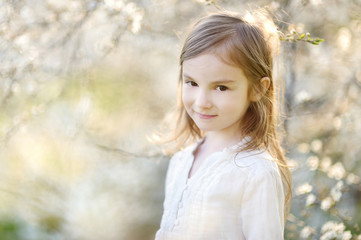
x,y
255,162
254,169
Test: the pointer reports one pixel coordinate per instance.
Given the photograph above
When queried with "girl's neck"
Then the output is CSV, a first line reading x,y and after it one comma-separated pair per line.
x,y
219,141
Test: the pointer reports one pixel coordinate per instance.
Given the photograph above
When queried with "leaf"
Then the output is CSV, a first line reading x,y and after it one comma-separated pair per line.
x,y
302,36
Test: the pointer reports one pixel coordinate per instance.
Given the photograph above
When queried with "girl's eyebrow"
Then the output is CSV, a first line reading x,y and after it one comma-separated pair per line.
x,y
221,81
187,76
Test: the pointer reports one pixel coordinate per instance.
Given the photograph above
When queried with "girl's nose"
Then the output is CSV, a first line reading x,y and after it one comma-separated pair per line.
x,y
203,100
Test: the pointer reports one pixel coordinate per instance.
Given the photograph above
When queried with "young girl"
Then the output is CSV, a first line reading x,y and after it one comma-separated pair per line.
x,y
232,180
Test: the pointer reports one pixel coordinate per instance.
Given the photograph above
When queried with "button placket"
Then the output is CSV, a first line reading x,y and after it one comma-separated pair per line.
x,y
180,204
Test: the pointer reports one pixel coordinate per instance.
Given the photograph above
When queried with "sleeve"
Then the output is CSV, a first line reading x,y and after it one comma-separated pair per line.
x,y
262,206
167,192
169,186
170,172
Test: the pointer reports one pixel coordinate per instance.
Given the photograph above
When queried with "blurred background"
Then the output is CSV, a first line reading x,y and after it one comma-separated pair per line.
x,y
84,82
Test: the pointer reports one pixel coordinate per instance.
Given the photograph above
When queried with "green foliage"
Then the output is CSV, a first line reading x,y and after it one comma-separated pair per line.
x,y
9,229
294,36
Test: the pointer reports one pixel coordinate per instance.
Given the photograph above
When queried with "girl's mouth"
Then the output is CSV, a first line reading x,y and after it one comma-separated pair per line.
x,y
205,116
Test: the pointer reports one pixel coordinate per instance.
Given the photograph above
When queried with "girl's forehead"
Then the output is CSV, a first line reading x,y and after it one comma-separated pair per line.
x,y
210,66
224,53
208,59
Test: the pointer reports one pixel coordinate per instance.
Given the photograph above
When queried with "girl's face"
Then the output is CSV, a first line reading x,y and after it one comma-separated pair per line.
x,y
215,94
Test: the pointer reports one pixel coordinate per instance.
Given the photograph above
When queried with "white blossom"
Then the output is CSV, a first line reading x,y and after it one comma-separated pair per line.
x,y
346,235
352,179
312,163
333,230
337,171
135,15
136,24
326,203
329,235
114,4
316,145
303,147
302,96
293,164
331,225
336,193
311,198
344,38
306,232
316,2
325,164
303,189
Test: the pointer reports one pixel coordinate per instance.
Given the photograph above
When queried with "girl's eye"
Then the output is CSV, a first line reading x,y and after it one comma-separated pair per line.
x,y
222,88
191,83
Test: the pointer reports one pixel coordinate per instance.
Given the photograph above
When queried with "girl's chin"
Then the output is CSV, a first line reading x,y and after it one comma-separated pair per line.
x,y
206,128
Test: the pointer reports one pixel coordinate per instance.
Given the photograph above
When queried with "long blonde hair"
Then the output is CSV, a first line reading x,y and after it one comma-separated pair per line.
x,y
250,43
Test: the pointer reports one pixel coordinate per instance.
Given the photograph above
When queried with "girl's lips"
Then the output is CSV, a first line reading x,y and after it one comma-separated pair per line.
x,y
205,116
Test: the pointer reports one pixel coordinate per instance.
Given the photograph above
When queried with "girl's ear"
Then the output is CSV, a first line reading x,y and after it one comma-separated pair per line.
x,y
260,90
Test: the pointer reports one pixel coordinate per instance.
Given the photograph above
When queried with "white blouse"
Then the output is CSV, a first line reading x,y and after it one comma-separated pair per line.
x,y
231,196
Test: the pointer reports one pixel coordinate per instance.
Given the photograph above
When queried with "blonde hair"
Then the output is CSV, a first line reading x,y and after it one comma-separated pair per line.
x,y
250,43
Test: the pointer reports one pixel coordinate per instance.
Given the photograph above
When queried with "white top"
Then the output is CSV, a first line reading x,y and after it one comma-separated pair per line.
x,y
231,196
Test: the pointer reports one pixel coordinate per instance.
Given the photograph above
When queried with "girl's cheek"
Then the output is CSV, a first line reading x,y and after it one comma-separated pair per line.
x,y
187,94
185,97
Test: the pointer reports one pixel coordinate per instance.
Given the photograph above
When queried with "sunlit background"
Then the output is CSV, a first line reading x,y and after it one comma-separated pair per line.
x,y
83,83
